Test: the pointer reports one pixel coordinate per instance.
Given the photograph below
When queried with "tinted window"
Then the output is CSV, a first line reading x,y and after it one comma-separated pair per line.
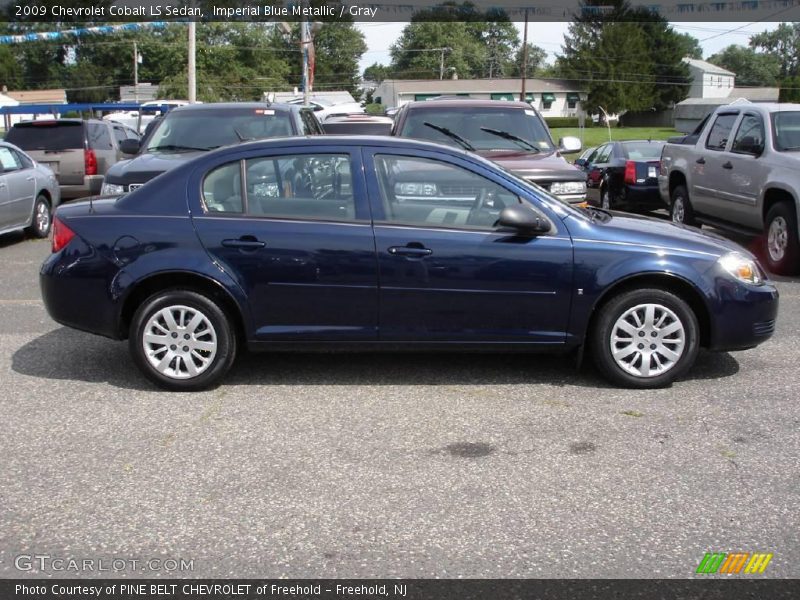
x,y
99,137
643,150
47,135
210,128
424,192
119,134
750,135
356,128
468,121
303,186
786,128
222,189
310,123
720,132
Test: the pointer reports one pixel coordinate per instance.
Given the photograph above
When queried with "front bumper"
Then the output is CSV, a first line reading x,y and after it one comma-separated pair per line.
x,y
742,316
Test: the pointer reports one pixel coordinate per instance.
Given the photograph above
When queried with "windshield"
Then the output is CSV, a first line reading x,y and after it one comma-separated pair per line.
x,y
643,150
211,128
786,129
472,123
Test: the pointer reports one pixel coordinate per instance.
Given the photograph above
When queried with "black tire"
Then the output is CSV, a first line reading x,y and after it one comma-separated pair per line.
x,y
680,209
42,218
781,246
606,201
605,328
216,330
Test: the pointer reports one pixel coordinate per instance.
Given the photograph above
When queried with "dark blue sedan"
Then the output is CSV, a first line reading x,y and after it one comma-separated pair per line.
x,y
373,243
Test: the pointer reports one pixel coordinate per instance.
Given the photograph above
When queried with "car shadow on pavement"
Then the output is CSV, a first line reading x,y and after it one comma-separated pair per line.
x,y
66,354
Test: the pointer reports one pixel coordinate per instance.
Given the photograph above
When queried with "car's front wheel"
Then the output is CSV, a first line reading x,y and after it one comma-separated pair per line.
x,y
782,246
42,218
645,338
182,340
681,210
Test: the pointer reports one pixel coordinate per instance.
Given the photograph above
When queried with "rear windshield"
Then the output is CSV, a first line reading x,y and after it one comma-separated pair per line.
x,y
643,150
211,128
786,128
467,122
47,135
358,128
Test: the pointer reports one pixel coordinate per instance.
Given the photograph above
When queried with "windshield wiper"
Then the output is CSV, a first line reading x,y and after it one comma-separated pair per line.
x,y
452,135
510,136
176,148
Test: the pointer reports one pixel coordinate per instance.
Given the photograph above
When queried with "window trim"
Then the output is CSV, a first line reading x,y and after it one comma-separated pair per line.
x,y
739,128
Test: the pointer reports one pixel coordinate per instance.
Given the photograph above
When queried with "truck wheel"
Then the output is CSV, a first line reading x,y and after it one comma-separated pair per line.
x,y
782,250
681,208
182,340
644,338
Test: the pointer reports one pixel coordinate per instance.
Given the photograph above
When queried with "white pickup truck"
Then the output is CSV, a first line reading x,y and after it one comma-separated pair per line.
x,y
740,170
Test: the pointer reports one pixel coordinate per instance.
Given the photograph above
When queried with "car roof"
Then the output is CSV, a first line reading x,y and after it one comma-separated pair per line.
x,y
764,107
234,106
358,118
346,140
468,103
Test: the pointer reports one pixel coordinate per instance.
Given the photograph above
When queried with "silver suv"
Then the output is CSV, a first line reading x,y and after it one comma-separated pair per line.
x,y
740,170
79,152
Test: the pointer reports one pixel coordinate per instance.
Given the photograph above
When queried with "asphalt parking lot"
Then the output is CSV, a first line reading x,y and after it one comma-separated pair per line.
x,y
411,465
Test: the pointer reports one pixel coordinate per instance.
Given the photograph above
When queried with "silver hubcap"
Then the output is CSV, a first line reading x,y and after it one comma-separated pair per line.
x,y
777,238
179,342
677,210
42,217
647,340
605,200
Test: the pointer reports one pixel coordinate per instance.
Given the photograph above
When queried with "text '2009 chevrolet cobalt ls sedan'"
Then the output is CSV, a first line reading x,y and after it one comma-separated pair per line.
x,y
378,243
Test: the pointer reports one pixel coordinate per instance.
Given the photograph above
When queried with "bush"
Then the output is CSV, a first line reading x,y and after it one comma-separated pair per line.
x,y
374,109
566,122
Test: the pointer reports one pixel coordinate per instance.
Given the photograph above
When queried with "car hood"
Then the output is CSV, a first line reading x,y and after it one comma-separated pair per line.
x,y
145,167
535,166
651,232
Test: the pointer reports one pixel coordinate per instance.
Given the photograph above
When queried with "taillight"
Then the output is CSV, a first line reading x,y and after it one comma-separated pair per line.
x,y
62,235
630,172
90,162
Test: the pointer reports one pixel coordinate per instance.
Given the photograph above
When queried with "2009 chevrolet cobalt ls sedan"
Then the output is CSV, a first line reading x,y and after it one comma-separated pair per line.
x,y
378,243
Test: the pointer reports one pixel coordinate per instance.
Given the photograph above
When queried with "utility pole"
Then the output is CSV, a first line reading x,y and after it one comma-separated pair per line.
x,y
192,76
135,73
524,57
441,61
304,41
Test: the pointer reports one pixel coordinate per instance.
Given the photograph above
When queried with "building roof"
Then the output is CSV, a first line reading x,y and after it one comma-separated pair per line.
x,y
477,86
707,67
335,97
756,94
38,96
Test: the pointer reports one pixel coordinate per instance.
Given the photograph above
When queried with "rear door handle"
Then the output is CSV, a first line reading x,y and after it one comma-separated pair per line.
x,y
727,165
410,251
246,242
701,161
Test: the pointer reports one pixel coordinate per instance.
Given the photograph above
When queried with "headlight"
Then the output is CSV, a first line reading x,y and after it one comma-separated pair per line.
x,y
416,189
742,268
563,188
110,189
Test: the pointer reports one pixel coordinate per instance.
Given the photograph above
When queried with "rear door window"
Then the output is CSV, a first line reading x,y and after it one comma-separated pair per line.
x,y
721,132
99,137
47,135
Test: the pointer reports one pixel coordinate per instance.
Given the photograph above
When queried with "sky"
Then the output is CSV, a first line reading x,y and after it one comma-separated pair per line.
x,y
549,36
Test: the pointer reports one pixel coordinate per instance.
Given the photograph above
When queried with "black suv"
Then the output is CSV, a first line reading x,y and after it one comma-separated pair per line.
x,y
188,131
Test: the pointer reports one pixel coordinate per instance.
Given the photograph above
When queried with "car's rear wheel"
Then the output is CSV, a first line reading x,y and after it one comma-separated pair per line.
x,y
645,338
42,218
782,248
182,340
681,210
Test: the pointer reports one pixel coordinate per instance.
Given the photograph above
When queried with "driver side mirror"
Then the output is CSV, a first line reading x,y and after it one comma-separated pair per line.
x,y
129,146
569,145
523,218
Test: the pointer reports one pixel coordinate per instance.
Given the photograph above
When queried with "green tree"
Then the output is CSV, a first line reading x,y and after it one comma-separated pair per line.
x,y
376,72
752,68
784,43
790,89
10,69
535,64
690,46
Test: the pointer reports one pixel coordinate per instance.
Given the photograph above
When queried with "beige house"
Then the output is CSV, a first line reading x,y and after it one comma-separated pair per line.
x,y
551,97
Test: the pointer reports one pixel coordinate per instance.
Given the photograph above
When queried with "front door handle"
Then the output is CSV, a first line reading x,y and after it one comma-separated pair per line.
x,y
246,242
31,178
701,161
727,165
417,252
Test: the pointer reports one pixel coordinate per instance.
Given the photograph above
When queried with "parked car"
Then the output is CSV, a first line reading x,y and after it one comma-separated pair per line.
x,y
324,109
227,251
358,124
742,173
79,152
186,132
511,134
139,120
28,193
625,175
586,157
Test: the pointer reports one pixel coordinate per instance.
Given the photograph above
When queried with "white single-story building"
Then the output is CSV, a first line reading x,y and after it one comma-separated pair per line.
x,y
551,97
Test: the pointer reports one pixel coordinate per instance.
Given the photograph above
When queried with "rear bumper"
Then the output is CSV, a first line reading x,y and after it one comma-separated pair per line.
x,y
643,195
90,187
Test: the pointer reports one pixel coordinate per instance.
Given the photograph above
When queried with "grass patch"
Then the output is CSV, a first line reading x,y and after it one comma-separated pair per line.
x,y
594,136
